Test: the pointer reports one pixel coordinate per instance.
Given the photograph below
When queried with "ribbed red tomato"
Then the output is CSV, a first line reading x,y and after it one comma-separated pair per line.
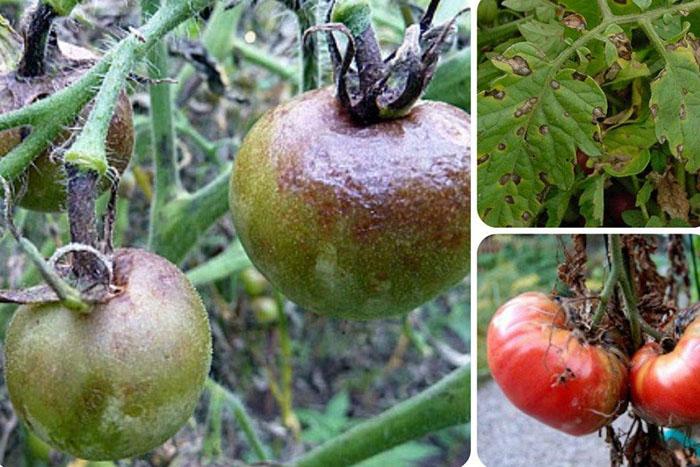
x,y
666,387
548,372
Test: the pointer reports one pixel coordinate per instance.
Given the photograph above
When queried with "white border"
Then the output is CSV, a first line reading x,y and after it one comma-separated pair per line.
x,y
479,231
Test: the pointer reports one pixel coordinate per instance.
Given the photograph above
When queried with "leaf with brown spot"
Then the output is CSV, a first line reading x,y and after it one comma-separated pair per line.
x,y
671,196
540,118
675,101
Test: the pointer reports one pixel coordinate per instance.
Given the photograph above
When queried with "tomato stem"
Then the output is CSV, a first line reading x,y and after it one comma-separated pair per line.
x,y
241,415
443,404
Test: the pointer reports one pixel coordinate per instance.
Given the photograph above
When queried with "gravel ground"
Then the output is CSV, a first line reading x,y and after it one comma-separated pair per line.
x,y
507,437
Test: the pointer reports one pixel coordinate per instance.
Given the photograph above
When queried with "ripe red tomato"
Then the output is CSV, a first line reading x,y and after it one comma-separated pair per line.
x,y
548,372
666,387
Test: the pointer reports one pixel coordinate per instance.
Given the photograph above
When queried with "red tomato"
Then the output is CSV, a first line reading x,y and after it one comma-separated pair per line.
x,y
666,387
547,372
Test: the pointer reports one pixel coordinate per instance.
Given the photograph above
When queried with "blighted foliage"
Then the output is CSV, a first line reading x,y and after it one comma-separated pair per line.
x,y
589,117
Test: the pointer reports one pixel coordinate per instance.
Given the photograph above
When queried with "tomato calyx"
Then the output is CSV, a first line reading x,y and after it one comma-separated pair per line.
x,y
382,88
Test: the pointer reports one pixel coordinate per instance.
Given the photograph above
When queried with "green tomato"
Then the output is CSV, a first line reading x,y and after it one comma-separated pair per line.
x,y
355,222
265,310
121,380
254,283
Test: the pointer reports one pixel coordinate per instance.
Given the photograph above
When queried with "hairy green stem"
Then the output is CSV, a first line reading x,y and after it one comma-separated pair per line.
x,y
89,151
242,417
167,180
442,405
654,38
69,296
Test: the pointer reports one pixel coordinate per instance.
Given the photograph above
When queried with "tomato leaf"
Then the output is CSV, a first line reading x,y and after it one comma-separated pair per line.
x,y
675,105
530,123
592,201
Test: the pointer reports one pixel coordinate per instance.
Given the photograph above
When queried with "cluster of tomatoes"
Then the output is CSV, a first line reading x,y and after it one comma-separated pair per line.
x,y
553,374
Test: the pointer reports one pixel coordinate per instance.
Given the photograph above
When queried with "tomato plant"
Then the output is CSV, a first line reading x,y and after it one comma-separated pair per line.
x,y
548,372
608,86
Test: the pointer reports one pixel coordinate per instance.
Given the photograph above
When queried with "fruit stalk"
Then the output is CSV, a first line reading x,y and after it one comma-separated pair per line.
x,y
35,35
81,196
442,405
357,16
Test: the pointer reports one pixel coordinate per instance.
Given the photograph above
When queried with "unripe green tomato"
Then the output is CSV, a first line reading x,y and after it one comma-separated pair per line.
x,y
265,310
121,380
254,283
355,222
45,179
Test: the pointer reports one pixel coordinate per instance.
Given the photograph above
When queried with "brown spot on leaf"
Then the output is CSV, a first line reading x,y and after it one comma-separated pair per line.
x,y
509,199
483,159
574,21
544,129
502,146
516,179
518,64
526,216
682,114
504,179
579,76
498,94
520,131
622,45
554,84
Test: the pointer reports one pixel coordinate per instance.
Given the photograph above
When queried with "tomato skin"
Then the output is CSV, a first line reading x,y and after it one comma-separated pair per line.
x,y
666,387
549,374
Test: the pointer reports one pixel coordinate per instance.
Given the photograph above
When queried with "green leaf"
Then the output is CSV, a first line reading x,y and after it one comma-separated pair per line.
x,y
627,149
633,218
592,201
643,4
675,105
644,194
548,37
530,123
451,80
655,221
671,28
556,206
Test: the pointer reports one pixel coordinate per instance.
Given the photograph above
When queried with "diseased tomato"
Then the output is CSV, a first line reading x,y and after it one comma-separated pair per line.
x,y
355,221
548,372
121,380
666,386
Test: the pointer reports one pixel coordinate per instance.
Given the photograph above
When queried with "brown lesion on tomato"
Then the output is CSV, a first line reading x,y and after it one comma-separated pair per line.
x,y
326,163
